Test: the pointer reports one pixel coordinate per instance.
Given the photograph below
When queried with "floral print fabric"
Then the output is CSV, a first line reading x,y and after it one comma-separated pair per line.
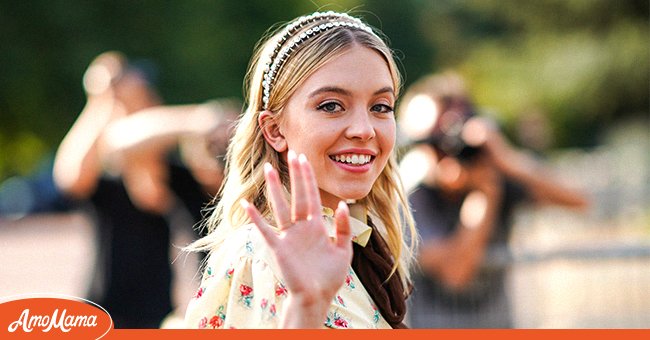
x,y
242,288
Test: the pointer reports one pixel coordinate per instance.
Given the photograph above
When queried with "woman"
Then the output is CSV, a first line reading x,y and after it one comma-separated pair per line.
x,y
320,111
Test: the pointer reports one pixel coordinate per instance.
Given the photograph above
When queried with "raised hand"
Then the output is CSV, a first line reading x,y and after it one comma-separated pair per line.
x,y
312,264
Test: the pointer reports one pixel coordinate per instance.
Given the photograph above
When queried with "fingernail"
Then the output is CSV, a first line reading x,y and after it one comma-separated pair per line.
x,y
244,203
302,158
291,154
342,205
268,167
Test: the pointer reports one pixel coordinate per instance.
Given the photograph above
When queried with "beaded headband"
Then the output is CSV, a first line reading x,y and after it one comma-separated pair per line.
x,y
281,54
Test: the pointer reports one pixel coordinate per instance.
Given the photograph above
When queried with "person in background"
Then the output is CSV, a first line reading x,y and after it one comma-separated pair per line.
x,y
466,181
119,162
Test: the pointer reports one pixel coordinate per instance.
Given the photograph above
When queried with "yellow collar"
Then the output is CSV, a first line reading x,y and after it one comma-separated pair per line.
x,y
360,230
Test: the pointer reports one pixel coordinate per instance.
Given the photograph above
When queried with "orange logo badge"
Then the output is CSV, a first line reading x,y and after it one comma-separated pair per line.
x,y
52,317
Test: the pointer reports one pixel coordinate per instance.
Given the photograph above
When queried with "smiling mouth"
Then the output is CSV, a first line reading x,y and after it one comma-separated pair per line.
x,y
353,159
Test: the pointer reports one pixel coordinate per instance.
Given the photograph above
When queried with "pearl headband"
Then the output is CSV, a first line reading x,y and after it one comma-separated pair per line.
x,y
281,54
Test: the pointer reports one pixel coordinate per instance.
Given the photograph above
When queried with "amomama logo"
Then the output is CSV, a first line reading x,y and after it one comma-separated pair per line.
x,y
75,318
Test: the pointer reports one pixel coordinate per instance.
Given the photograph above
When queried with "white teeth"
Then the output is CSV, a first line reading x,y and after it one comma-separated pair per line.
x,y
353,159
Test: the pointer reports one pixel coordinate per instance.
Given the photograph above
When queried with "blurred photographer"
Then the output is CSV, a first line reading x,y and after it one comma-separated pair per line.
x,y
465,181
143,172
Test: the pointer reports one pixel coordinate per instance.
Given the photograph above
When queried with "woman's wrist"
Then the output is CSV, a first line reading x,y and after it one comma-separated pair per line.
x,y
304,311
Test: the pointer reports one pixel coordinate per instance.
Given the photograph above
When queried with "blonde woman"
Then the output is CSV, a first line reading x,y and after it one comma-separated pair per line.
x,y
318,133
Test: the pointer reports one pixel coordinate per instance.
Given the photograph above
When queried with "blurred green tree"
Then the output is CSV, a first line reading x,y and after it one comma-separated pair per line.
x,y
586,63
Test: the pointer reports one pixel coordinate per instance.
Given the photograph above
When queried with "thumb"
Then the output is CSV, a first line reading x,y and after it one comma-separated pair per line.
x,y
343,232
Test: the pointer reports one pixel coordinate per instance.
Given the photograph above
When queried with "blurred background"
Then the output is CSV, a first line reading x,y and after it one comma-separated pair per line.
x,y
581,65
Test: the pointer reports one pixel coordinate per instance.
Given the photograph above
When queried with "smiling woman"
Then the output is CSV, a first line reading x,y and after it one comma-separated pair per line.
x,y
319,130
337,125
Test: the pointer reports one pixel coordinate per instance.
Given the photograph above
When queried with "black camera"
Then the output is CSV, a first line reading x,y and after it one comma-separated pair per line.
x,y
447,137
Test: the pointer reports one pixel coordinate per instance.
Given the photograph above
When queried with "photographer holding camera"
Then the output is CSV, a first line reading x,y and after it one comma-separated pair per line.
x,y
466,182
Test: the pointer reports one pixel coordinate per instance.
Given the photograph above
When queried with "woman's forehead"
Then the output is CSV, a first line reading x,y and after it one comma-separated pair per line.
x,y
357,68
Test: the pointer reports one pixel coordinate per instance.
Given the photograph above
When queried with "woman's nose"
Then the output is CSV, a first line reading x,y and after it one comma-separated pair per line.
x,y
360,126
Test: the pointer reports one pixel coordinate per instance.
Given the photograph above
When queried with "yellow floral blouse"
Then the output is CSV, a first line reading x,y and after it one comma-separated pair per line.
x,y
242,287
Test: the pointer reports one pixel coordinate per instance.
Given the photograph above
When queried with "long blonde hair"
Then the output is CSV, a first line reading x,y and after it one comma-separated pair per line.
x,y
248,150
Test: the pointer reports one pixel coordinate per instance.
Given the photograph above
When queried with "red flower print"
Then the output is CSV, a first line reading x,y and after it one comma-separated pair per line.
x,y
199,293
246,295
349,281
264,303
272,309
280,290
203,322
341,323
216,321
340,300
229,272
334,320
245,290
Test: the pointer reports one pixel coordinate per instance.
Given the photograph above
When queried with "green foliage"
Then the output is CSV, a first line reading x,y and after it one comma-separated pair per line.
x,y
584,62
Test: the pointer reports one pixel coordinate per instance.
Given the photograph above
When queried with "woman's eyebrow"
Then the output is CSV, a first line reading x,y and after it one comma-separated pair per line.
x,y
335,89
387,89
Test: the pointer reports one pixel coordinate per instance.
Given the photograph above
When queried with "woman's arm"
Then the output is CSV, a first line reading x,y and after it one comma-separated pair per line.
x,y
159,128
77,163
524,169
456,259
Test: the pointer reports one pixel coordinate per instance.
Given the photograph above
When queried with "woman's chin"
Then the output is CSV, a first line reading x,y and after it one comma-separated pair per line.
x,y
347,196
351,197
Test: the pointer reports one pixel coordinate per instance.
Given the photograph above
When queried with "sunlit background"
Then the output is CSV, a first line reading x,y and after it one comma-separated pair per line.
x,y
583,66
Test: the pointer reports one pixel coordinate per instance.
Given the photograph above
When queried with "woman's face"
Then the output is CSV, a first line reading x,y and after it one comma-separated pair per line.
x,y
342,119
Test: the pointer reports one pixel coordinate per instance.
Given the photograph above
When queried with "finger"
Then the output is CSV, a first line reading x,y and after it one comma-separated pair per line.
x,y
299,205
475,132
267,232
343,231
311,187
278,201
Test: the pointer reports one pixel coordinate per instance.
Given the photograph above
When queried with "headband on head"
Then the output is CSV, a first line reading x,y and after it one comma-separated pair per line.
x,y
280,54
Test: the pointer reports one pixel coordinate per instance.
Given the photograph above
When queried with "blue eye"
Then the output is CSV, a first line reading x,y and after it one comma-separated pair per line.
x,y
382,108
330,107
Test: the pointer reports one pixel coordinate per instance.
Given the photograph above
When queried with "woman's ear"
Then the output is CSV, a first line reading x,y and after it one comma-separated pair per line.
x,y
271,131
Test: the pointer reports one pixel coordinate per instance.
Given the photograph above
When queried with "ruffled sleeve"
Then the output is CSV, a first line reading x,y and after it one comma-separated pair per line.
x,y
238,290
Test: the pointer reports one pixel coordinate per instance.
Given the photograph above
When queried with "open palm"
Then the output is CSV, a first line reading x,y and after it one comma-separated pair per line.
x,y
312,264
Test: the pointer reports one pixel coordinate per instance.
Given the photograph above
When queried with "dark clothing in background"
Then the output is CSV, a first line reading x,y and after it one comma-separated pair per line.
x,y
484,304
133,277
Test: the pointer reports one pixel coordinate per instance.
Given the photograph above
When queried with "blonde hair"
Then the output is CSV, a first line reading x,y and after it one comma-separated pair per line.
x,y
248,150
